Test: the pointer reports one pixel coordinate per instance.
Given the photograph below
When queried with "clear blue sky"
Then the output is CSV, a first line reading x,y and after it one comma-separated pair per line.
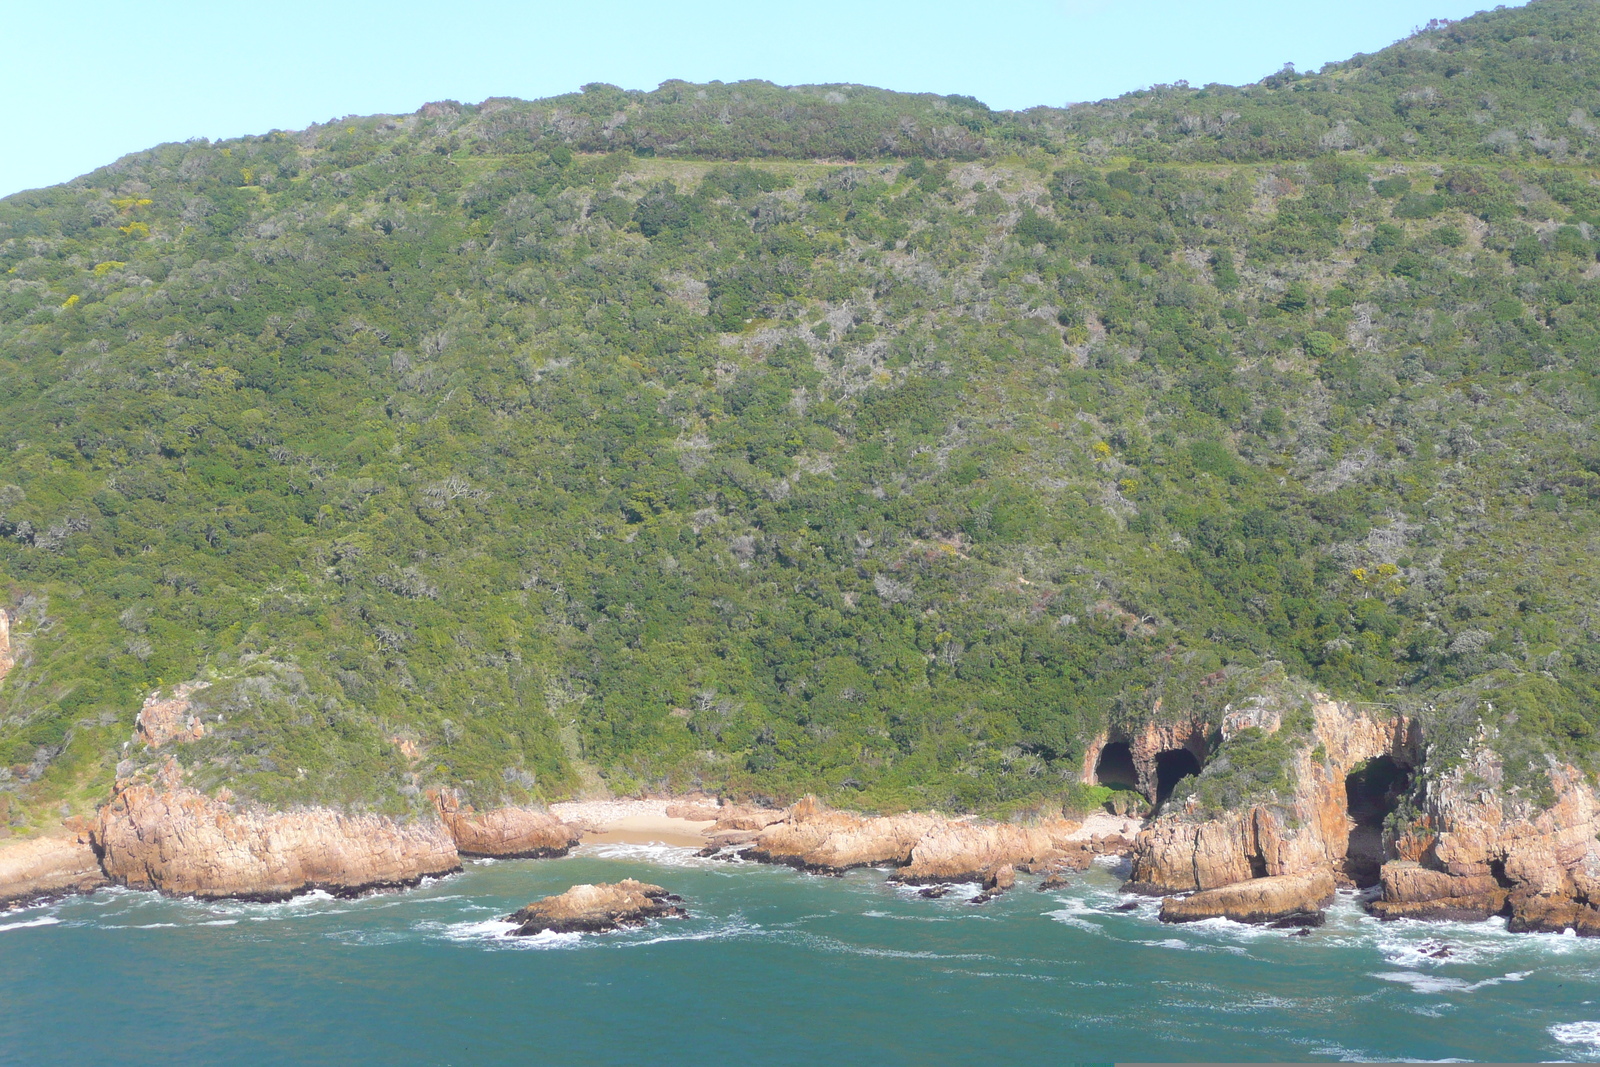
x,y
84,83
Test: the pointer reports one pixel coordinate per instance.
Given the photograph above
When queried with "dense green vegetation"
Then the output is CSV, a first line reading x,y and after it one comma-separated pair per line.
x,y
825,439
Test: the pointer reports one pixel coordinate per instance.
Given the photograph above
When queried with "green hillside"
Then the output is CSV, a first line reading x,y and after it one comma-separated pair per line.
x,y
821,438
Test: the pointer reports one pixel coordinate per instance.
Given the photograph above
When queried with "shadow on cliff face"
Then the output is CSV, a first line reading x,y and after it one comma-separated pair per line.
x,y
1372,790
1115,767
1172,766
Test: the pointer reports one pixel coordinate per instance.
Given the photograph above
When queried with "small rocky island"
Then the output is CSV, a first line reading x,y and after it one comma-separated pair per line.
x,y
593,909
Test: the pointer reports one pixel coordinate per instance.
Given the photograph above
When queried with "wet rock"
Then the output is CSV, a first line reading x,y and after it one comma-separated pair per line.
x,y
1000,879
42,868
1261,900
933,892
1129,906
598,908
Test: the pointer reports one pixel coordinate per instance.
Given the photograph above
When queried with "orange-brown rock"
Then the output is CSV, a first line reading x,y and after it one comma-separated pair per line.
x,y
167,837
597,908
45,867
815,839
170,719
507,833
734,817
967,852
1306,831
1261,900
705,811
1478,849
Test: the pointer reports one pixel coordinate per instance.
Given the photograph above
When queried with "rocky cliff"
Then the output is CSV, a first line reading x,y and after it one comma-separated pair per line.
x,y
161,835
1308,829
1477,846
44,867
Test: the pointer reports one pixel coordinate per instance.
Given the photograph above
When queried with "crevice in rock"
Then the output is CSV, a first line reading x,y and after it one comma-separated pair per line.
x,y
1497,867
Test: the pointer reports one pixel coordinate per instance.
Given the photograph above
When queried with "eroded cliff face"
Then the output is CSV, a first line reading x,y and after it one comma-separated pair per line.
x,y
1478,848
162,835
1304,832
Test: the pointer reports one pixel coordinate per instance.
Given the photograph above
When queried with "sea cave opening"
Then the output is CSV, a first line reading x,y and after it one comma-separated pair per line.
x,y
1172,766
1115,767
1372,790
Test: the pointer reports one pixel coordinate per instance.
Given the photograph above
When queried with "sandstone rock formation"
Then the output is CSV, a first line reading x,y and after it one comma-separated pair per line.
x,y
45,867
966,852
1261,900
161,835
1478,849
597,908
1307,831
507,833
815,839
170,719
1152,739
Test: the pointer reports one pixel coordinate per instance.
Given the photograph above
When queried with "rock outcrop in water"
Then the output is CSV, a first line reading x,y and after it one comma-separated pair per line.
x,y
1304,832
1477,848
1260,900
593,909
968,852
40,868
507,833
161,835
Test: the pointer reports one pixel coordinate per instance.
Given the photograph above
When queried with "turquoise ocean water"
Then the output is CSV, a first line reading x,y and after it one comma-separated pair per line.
x,y
772,967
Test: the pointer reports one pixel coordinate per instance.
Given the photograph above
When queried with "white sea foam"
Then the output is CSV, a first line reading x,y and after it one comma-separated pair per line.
x,y
1436,983
43,920
1585,1033
662,855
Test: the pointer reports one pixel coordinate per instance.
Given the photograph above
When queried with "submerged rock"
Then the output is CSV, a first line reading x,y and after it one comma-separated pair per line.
x,y
1261,900
44,867
592,909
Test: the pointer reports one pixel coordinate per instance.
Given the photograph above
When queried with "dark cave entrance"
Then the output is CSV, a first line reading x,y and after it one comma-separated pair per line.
x,y
1115,767
1371,792
1172,766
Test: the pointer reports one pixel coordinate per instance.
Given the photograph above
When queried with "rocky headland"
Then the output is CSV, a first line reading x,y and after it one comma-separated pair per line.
x,y
1366,799
592,909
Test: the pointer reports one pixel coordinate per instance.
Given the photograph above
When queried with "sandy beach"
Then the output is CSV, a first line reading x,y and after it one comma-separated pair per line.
x,y
633,822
